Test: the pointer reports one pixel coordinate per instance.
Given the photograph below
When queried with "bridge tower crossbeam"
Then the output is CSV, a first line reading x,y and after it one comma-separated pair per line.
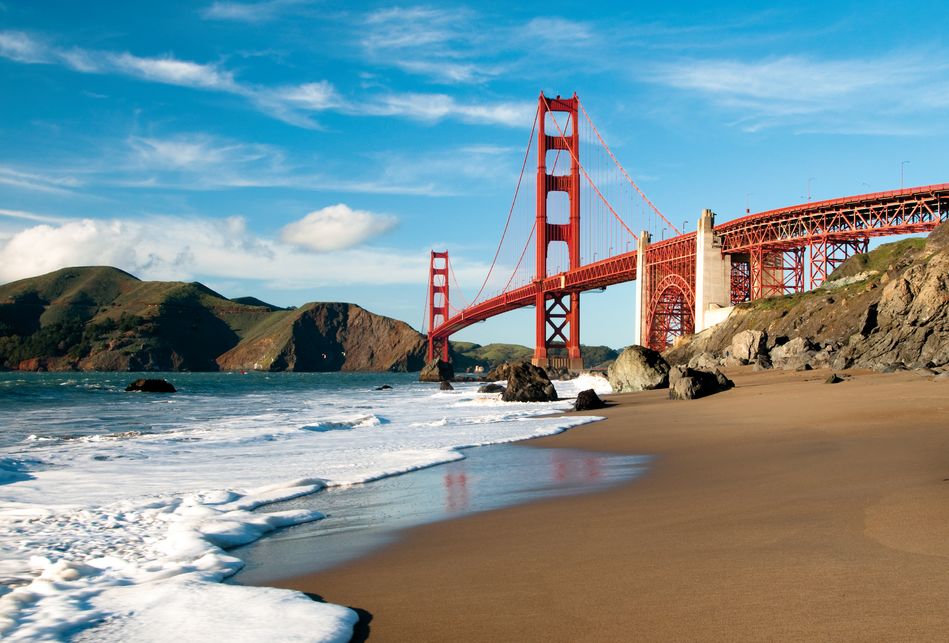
x,y
557,315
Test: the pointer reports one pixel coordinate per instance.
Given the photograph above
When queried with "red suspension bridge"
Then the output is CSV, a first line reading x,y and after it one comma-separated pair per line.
x,y
564,240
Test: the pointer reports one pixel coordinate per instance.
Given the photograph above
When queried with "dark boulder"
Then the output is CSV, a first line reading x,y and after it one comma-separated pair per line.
x,y
498,373
492,388
384,387
834,379
436,371
588,400
688,384
446,386
528,383
151,386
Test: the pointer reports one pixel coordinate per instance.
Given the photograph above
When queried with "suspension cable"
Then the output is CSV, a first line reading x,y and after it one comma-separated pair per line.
x,y
623,170
510,211
573,153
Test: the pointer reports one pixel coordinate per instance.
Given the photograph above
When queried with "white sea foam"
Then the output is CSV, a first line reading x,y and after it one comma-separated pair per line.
x,y
113,536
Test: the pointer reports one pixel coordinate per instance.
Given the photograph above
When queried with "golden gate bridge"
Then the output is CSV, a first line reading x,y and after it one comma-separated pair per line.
x,y
559,240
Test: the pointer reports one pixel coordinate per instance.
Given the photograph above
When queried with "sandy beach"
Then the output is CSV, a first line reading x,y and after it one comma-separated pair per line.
x,y
784,509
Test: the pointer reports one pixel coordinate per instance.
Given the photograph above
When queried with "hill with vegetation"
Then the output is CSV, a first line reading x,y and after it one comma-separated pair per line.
x,y
101,318
465,356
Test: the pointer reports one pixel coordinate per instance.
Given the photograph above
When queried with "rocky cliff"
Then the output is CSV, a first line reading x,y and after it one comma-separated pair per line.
x,y
101,318
885,310
328,337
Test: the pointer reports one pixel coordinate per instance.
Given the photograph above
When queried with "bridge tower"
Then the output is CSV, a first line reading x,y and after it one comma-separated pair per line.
x,y
557,315
437,303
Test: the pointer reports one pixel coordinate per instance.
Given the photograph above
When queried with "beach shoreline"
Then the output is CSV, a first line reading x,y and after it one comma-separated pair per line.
x,y
785,509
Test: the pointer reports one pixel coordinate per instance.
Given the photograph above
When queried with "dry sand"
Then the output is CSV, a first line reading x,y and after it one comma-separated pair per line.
x,y
785,509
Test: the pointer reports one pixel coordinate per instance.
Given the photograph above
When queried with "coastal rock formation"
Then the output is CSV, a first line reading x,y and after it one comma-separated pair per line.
x,y
528,383
688,384
445,385
101,318
327,337
151,386
436,371
747,345
638,369
492,388
884,310
588,400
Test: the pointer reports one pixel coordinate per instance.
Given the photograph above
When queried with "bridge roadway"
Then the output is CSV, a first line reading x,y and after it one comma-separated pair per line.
x,y
910,210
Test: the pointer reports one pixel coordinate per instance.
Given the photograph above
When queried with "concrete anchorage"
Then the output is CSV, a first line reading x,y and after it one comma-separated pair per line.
x,y
640,322
712,275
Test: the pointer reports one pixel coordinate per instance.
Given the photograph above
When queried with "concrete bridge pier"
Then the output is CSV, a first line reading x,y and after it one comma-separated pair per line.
x,y
640,323
712,275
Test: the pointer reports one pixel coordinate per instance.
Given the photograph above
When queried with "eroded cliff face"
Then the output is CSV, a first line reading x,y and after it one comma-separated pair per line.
x,y
329,337
895,315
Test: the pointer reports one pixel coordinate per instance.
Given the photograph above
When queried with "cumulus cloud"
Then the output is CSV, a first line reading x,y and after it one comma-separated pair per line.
x,y
178,248
335,227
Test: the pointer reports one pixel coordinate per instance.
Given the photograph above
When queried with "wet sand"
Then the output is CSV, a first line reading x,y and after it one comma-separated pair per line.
x,y
785,509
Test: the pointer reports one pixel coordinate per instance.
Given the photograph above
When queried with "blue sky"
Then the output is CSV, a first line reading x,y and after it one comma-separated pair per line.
x,y
303,150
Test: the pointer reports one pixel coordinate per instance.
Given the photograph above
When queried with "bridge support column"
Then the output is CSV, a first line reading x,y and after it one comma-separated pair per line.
x,y
437,304
712,273
557,339
642,291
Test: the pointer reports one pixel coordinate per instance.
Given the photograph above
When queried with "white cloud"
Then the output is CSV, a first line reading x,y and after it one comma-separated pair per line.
x,y
335,227
178,248
172,71
290,103
563,32
20,47
435,107
36,181
852,95
251,12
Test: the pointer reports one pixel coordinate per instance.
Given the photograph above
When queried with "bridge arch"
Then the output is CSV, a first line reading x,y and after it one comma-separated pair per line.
x,y
671,311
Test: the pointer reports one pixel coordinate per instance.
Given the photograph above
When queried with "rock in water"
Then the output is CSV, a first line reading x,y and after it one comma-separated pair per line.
x,y
588,400
446,386
688,384
436,371
384,387
499,372
528,383
492,388
638,369
151,386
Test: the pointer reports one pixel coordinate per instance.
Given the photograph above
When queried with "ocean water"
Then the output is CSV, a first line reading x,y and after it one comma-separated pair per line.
x,y
119,512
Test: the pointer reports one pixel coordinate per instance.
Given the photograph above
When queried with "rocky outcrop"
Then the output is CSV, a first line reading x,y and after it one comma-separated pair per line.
x,y
528,383
151,386
492,388
889,311
638,369
747,345
588,400
327,337
436,371
445,385
688,384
